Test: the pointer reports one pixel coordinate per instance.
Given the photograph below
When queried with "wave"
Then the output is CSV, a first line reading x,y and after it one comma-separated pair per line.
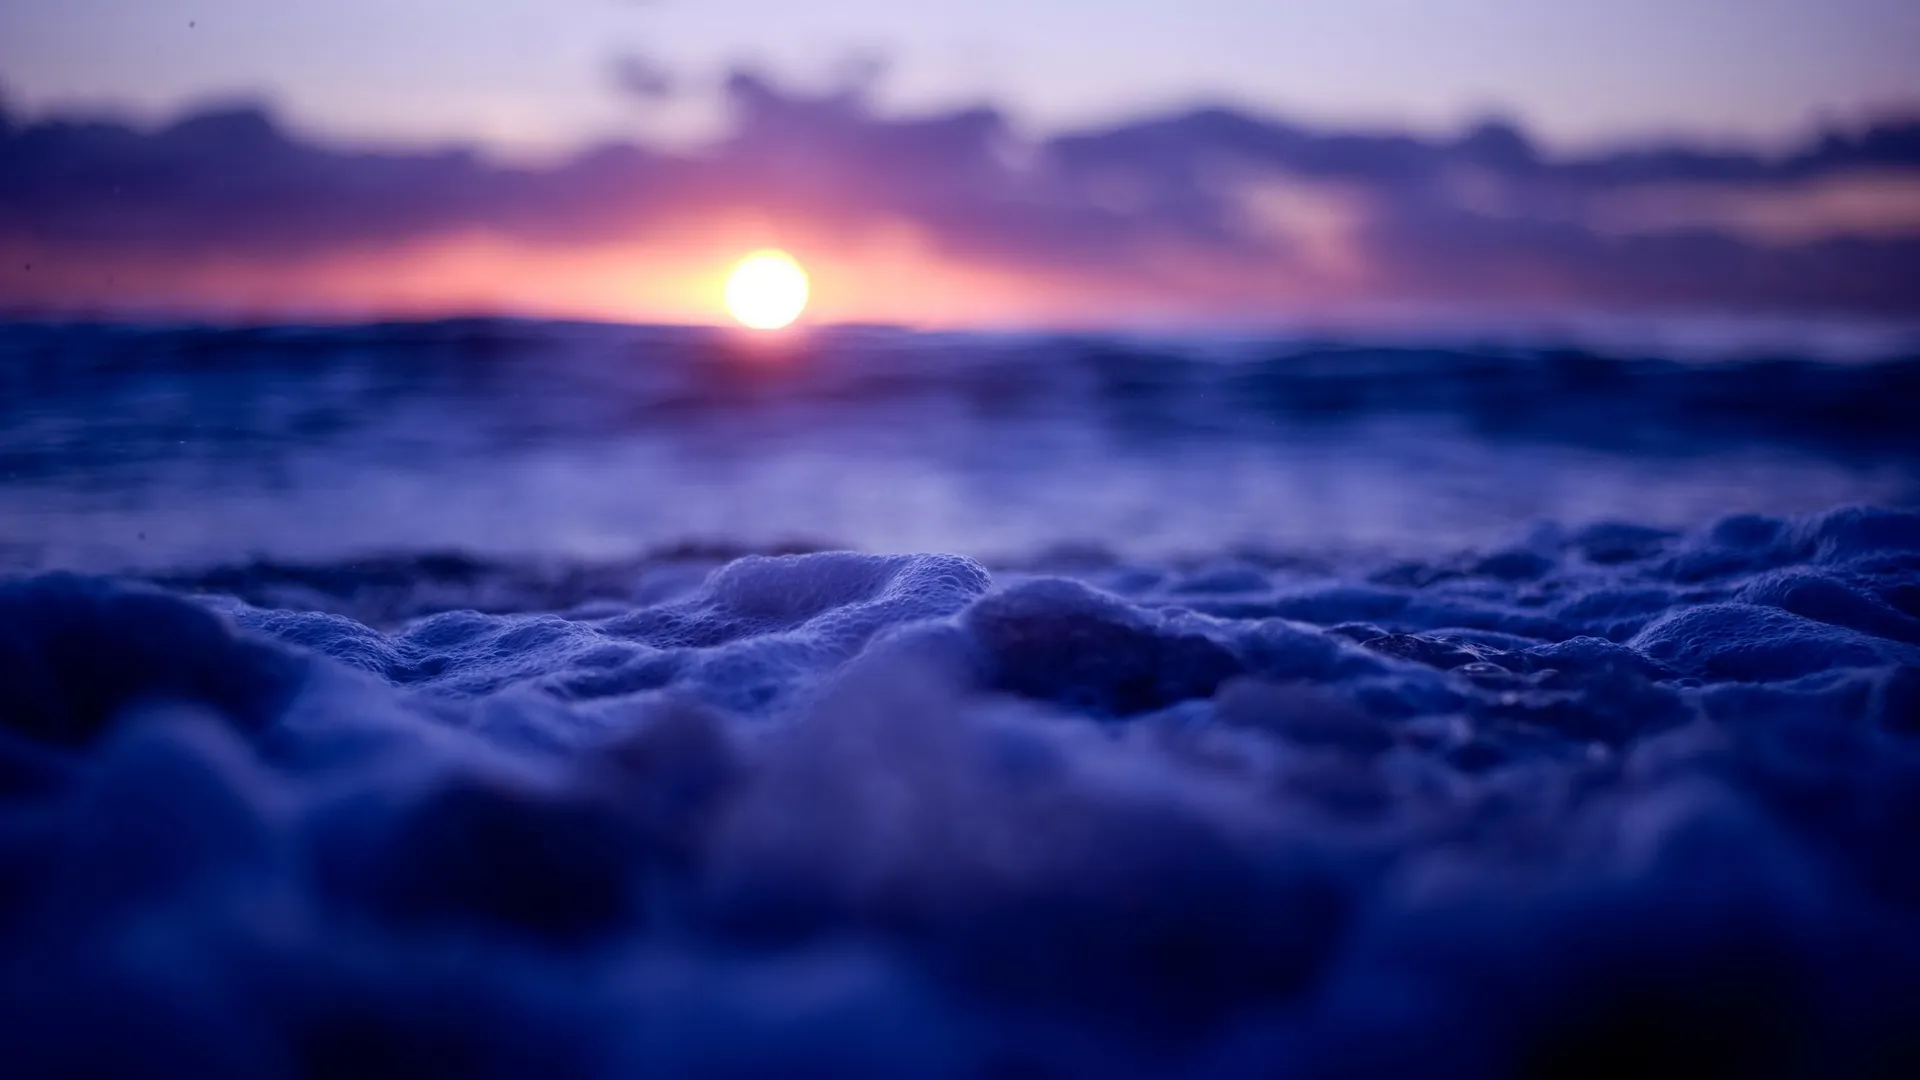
x,y
185,449
1619,796
560,380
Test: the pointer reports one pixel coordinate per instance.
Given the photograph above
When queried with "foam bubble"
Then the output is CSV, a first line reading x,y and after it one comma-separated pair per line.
x,y
1617,796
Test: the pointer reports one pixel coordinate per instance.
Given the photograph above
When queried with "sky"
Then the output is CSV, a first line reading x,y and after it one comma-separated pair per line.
x,y
975,163
535,76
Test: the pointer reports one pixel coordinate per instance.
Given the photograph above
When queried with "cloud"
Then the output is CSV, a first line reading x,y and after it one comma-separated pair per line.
x,y
642,78
1204,213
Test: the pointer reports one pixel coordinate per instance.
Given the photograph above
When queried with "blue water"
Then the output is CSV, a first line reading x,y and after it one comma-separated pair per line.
x,y
521,699
168,448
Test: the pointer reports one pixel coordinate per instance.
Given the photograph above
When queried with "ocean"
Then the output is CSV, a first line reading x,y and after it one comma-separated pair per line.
x,y
166,448
493,697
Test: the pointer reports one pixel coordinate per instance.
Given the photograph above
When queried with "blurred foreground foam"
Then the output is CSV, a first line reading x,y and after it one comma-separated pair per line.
x,y
1618,798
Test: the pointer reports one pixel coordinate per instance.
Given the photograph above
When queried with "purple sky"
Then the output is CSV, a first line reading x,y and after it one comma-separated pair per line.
x,y
970,164
534,76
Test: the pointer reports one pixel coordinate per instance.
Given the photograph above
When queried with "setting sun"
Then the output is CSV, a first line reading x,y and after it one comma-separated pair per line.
x,y
767,291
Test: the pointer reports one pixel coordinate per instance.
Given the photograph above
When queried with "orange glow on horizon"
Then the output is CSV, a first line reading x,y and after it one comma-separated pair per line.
x,y
884,274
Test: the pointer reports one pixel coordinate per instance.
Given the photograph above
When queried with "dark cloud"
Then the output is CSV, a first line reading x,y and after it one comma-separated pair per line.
x,y
642,78
1485,217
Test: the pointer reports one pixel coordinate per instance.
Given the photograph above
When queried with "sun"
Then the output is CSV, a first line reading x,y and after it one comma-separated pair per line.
x,y
767,291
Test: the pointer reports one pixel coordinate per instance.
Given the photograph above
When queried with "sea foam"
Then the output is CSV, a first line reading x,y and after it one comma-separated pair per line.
x,y
1614,798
